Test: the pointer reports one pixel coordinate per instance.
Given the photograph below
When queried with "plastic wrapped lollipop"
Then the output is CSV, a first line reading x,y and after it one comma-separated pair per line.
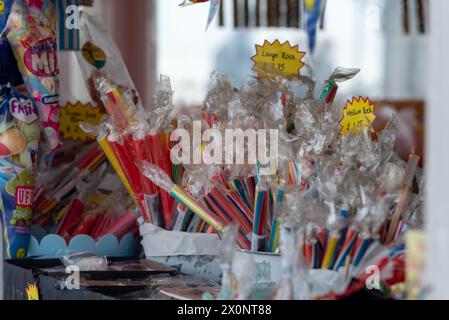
x,y
391,178
387,138
330,87
369,157
220,94
330,179
350,147
119,105
285,290
161,179
291,89
31,31
292,224
161,114
228,283
261,100
295,283
305,122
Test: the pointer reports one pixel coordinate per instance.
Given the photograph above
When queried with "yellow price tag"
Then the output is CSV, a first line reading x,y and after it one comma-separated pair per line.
x,y
73,114
357,115
275,59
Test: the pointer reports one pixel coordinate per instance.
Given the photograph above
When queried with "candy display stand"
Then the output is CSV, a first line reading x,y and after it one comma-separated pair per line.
x,y
51,246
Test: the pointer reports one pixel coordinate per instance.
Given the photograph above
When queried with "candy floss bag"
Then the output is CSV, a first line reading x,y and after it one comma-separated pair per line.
x,y
31,32
19,140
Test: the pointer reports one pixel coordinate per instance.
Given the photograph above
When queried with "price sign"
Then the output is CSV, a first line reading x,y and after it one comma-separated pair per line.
x,y
274,60
357,115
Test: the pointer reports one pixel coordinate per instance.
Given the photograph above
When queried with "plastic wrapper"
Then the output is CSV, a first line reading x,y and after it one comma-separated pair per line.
x,y
117,101
330,87
160,178
31,31
220,94
387,138
243,270
135,136
99,52
19,139
85,261
296,282
161,113
227,252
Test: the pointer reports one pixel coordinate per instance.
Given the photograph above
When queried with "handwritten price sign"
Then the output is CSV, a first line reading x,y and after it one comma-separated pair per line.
x,y
274,60
73,114
357,115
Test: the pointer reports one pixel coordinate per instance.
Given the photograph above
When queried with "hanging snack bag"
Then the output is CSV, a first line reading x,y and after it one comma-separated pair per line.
x,y
31,32
19,141
99,52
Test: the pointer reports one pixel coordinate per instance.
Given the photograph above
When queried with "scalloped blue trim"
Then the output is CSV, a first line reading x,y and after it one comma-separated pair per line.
x,y
53,246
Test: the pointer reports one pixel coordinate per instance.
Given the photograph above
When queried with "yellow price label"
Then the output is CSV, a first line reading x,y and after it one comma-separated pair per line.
x,y
71,117
278,60
357,115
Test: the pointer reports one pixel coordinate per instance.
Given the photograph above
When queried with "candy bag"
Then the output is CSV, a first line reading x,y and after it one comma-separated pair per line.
x,y
31,32
99,52
19,139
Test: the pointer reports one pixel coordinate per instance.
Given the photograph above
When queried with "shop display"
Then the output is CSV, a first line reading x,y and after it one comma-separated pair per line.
x,y
318,190
345,193
131,136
